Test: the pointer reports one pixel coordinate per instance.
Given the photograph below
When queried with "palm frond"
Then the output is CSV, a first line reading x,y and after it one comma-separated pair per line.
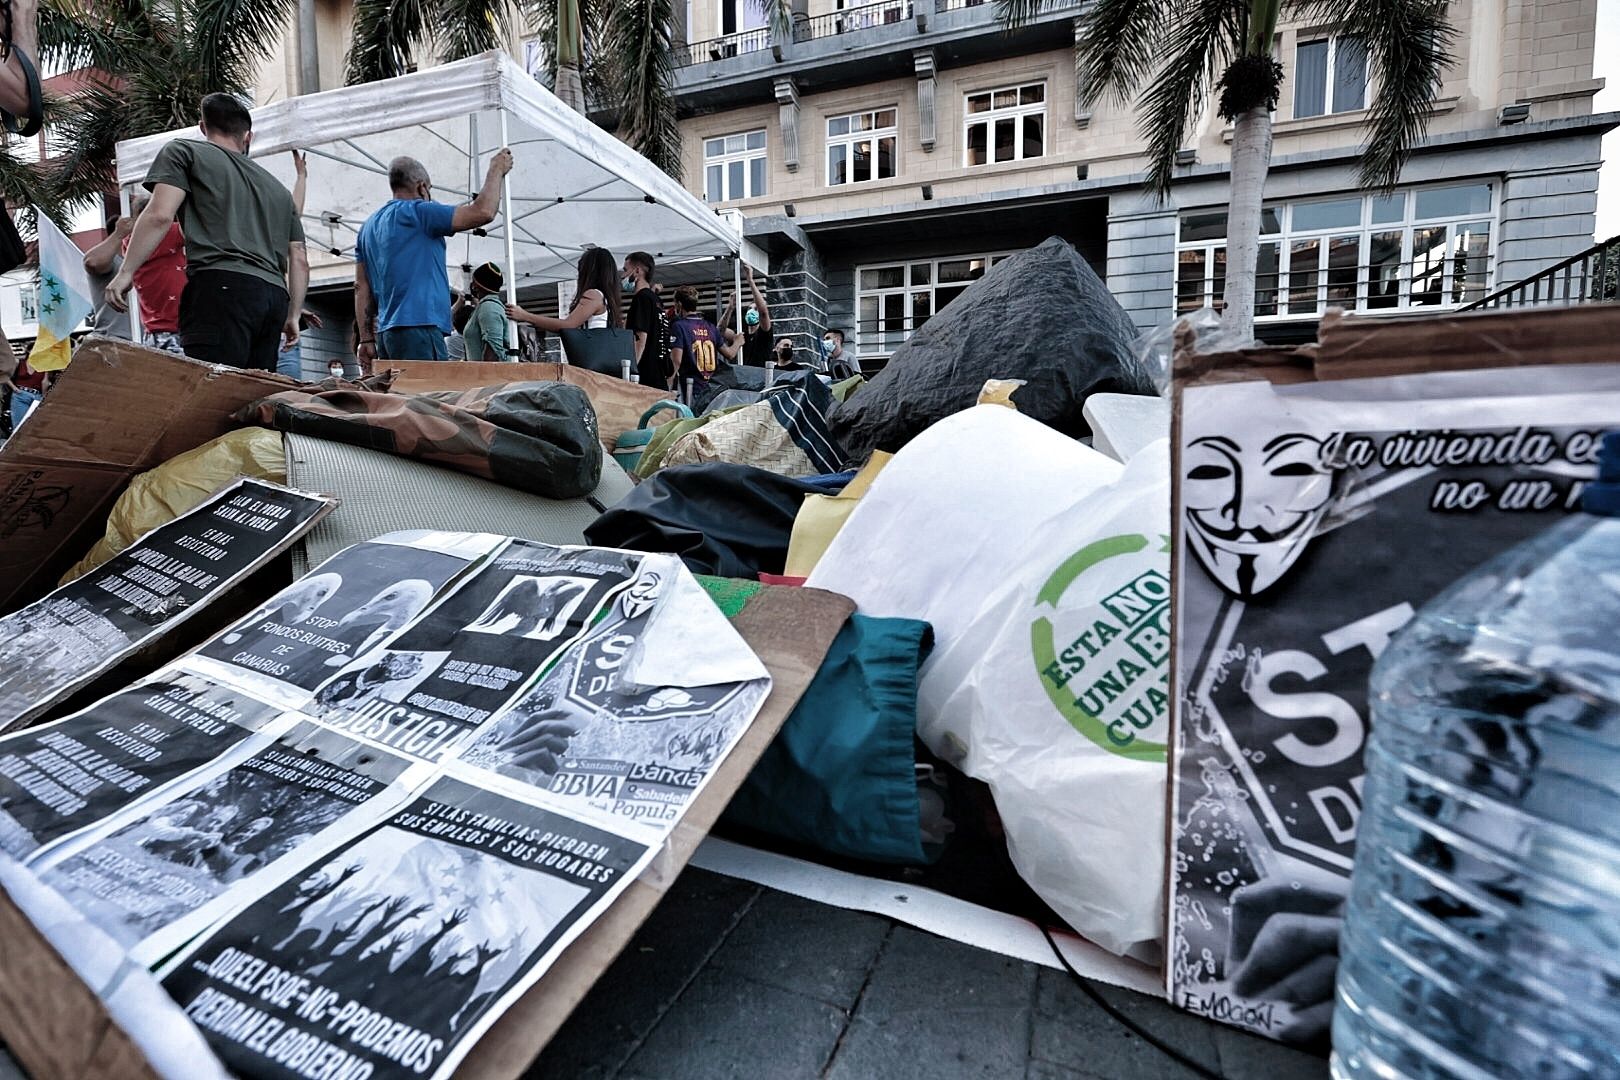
x,y
1015,13
1203,36
229,39
468,27
1408,44
90,126
778,18
386,33
1117,47
636,36
24,185
72,34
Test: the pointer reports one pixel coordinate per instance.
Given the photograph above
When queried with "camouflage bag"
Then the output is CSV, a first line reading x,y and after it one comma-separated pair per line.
x,y
538,437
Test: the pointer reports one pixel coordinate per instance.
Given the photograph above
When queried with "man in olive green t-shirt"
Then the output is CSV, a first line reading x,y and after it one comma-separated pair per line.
x,y
245,262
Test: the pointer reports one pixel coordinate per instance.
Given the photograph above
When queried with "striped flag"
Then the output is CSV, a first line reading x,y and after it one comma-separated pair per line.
x,y
64,296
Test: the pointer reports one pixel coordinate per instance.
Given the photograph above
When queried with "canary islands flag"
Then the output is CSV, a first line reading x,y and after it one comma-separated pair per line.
x,y
64,296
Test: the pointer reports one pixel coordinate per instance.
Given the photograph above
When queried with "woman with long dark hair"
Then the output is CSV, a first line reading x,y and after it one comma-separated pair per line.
x,y
596,297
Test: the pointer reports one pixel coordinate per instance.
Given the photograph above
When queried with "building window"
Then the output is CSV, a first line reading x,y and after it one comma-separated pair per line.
x,y
737,16
734,166
1414,249
1007,124
534,59
895,299
861,146
1330,76
29,297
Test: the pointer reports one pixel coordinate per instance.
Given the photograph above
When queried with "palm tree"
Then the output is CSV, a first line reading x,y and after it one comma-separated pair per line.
x,y
616,55
147,65
1181,50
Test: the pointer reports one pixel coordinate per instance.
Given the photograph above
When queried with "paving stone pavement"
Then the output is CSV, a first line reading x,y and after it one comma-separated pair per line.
x,y
728,979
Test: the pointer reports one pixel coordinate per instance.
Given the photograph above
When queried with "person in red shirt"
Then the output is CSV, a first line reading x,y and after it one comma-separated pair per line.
x,y
158,283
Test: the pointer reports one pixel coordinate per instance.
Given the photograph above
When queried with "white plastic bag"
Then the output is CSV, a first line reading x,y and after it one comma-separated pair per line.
x,y
937,532
990,525
1056,695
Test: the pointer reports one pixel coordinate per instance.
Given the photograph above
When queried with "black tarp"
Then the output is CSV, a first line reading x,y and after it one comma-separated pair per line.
x,y
728,520
1042,316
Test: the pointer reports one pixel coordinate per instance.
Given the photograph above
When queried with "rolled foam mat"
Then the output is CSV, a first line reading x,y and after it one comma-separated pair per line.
x,y
383,493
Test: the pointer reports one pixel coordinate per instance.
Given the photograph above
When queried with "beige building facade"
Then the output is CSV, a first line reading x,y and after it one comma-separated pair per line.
x,y
886,155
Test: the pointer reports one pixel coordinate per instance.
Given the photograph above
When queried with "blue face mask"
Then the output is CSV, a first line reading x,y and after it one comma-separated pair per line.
x,y
827,346
751,317
628,284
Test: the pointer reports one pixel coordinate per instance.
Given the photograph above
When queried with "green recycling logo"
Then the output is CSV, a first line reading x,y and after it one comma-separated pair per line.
x,y
1111,678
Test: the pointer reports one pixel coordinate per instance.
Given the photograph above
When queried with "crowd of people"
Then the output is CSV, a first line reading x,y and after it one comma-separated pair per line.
x,y
214,248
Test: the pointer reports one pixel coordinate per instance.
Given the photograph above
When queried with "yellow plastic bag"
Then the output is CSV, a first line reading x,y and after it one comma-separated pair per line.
x,y
821,516
182,483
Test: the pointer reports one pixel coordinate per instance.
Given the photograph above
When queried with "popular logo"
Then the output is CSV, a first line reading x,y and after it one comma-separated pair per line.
x,y
1110,676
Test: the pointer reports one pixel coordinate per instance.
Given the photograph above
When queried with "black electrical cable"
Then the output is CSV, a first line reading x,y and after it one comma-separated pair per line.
x,y
1124,1021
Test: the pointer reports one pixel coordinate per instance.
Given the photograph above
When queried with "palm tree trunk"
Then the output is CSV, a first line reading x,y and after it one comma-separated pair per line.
x,y
1251,156
569,87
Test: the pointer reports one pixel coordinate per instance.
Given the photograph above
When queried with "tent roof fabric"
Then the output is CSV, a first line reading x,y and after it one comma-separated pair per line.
x,y
573,185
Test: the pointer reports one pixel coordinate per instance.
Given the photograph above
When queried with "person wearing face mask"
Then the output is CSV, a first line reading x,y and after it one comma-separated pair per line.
x,y
646,319
246,268
399,257
784,354
756,340
834,360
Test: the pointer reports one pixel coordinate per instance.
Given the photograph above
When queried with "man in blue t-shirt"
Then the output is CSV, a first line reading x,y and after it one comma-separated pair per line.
x,y
399,259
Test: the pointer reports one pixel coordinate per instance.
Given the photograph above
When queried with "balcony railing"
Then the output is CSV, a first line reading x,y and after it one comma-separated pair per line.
x,y
958,5
1448,284
722,48
1591,276
851,19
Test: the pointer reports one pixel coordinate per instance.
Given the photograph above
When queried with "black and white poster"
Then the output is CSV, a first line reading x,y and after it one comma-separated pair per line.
x,y
62,777
162,866
390,955
474,650
346,607
59,643
634,719
1314,522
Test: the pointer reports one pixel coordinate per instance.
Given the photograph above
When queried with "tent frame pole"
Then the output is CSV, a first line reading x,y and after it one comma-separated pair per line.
x,y
511,256
135,328
736,289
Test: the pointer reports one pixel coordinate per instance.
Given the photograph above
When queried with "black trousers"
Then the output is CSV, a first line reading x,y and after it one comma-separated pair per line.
x,y
232,319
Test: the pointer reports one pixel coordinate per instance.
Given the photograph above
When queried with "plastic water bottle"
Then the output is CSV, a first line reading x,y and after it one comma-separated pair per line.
x,y
1482,933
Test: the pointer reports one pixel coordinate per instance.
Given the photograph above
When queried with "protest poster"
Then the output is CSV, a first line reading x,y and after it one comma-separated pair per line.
x,y
59,643
58,778
346,607
1313,521
633,720
472,652
390,955
153,876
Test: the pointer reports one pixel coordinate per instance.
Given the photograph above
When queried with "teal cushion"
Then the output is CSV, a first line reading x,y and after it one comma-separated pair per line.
x,y
841,774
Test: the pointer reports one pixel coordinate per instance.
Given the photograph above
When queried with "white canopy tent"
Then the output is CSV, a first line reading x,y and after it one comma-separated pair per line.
x,y
572,185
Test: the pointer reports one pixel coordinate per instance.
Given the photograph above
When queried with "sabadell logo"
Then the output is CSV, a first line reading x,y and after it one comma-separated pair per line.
x,y
1105,663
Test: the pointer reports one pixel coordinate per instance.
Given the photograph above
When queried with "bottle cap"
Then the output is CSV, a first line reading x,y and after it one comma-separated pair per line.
x,y
1602,496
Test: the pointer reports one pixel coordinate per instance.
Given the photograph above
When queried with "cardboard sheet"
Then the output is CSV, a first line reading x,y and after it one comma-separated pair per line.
x,y
117,410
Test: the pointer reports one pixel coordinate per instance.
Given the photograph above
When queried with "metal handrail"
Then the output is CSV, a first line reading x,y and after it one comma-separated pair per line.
x,y
848,20
1448,283
1589,277
721,48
